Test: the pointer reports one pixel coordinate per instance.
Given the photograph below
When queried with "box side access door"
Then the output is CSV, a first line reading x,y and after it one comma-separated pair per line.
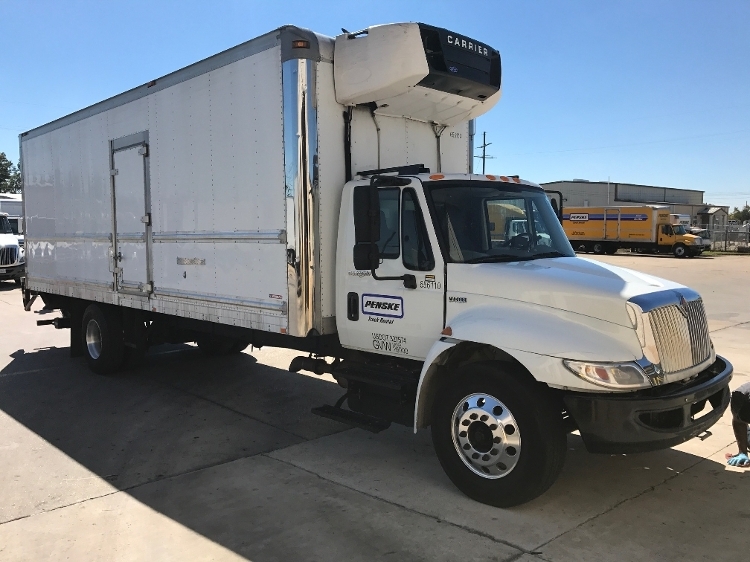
x,y
132,215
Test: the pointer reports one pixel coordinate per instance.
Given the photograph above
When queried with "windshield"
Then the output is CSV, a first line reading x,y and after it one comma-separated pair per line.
x,y
679,229
483,222
5,226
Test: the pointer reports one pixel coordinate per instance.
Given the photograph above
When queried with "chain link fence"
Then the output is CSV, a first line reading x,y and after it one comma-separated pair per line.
x,y
729,239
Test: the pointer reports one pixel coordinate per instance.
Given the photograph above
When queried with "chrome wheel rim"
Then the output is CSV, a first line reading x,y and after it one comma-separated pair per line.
x,y
93,339
486,436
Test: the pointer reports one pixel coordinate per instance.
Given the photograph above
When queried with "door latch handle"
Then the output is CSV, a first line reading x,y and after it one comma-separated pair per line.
x,y
352,306
118,257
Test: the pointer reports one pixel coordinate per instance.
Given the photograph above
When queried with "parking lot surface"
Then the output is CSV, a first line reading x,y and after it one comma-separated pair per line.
x,y
194,458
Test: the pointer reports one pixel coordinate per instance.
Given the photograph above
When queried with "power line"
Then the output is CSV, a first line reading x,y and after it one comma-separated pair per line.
x,y
632,144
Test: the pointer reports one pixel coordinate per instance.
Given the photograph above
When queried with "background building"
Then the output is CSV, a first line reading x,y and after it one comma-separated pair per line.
x,y
584,193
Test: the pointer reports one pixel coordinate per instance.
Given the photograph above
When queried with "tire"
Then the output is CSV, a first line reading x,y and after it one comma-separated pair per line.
x,y
679,251
527,426
103,344
598,248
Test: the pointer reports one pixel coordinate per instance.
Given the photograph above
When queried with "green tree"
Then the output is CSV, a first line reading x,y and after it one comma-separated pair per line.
x,y
10,176
741,215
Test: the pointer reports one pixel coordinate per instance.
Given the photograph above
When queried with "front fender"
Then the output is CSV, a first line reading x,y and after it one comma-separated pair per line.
x,y
536,337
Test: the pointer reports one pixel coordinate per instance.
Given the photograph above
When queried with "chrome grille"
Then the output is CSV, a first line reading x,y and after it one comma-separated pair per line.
x,y
681,334
9,255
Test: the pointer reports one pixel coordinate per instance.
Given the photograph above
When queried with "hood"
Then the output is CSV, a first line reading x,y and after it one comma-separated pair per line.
x,y
8,240
577,285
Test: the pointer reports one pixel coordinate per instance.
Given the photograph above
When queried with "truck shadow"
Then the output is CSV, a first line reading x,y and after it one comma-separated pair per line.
x,y
150,432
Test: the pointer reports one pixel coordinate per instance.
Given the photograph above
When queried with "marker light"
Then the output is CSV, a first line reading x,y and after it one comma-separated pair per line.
x,y
300,44
437,176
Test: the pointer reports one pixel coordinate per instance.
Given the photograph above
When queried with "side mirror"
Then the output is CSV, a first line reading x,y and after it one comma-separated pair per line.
x,y
365,257
366,214
366,209
556,200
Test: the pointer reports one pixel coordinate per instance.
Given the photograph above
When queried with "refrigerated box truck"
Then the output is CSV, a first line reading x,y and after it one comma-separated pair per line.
x,y
647,228
316,193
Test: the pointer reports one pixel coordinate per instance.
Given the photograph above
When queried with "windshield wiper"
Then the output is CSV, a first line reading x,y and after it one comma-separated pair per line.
x,y
507,258
552,254
493,259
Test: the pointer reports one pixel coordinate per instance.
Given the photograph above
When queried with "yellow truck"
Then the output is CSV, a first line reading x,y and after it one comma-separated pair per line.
x,y
646,228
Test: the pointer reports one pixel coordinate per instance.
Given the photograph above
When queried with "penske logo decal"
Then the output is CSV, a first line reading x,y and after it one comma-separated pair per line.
x,y
383,305
579,216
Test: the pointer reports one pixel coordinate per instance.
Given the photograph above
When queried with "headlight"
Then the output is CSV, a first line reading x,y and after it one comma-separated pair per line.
x,y
620,376
698,242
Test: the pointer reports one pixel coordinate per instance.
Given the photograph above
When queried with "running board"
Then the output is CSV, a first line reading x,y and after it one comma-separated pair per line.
x,y
355,419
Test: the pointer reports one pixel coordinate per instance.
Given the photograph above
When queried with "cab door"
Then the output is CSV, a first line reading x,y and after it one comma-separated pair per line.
x,y
666,235
384,316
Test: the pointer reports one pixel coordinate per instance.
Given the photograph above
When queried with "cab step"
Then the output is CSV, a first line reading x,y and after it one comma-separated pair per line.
x,y
355,419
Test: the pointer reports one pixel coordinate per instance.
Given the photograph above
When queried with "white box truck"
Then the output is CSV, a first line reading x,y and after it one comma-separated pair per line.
x,y
316,193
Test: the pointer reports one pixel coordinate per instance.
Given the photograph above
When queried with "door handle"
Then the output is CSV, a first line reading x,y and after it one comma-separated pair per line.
x,y
352,306
118,257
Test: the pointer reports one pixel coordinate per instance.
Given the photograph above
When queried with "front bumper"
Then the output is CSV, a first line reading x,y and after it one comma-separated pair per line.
x,y
651,419
11,272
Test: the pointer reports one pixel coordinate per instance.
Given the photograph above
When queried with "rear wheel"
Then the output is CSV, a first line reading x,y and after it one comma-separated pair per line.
x,y
679,251
103,342
500,439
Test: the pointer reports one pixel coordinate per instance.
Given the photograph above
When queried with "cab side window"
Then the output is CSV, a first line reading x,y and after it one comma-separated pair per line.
x,y
666,230
388,243
416,245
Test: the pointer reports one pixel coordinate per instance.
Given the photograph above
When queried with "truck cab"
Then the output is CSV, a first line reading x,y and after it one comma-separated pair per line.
x,y
679,241
504,323
12,259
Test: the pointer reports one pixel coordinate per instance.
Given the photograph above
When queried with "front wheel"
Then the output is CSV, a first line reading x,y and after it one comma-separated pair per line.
x,y
598,248
679,251
499,438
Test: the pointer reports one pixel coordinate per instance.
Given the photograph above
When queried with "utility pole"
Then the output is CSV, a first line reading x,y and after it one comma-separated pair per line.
x,y
484,146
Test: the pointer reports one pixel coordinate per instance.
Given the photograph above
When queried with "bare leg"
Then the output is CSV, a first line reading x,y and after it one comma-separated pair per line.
x,y
740,433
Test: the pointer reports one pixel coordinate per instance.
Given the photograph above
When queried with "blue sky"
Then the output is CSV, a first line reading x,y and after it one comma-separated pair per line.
x,y
654,92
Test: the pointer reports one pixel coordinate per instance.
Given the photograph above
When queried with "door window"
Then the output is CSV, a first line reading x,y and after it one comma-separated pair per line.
x,y
666,230
388,244
417,251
